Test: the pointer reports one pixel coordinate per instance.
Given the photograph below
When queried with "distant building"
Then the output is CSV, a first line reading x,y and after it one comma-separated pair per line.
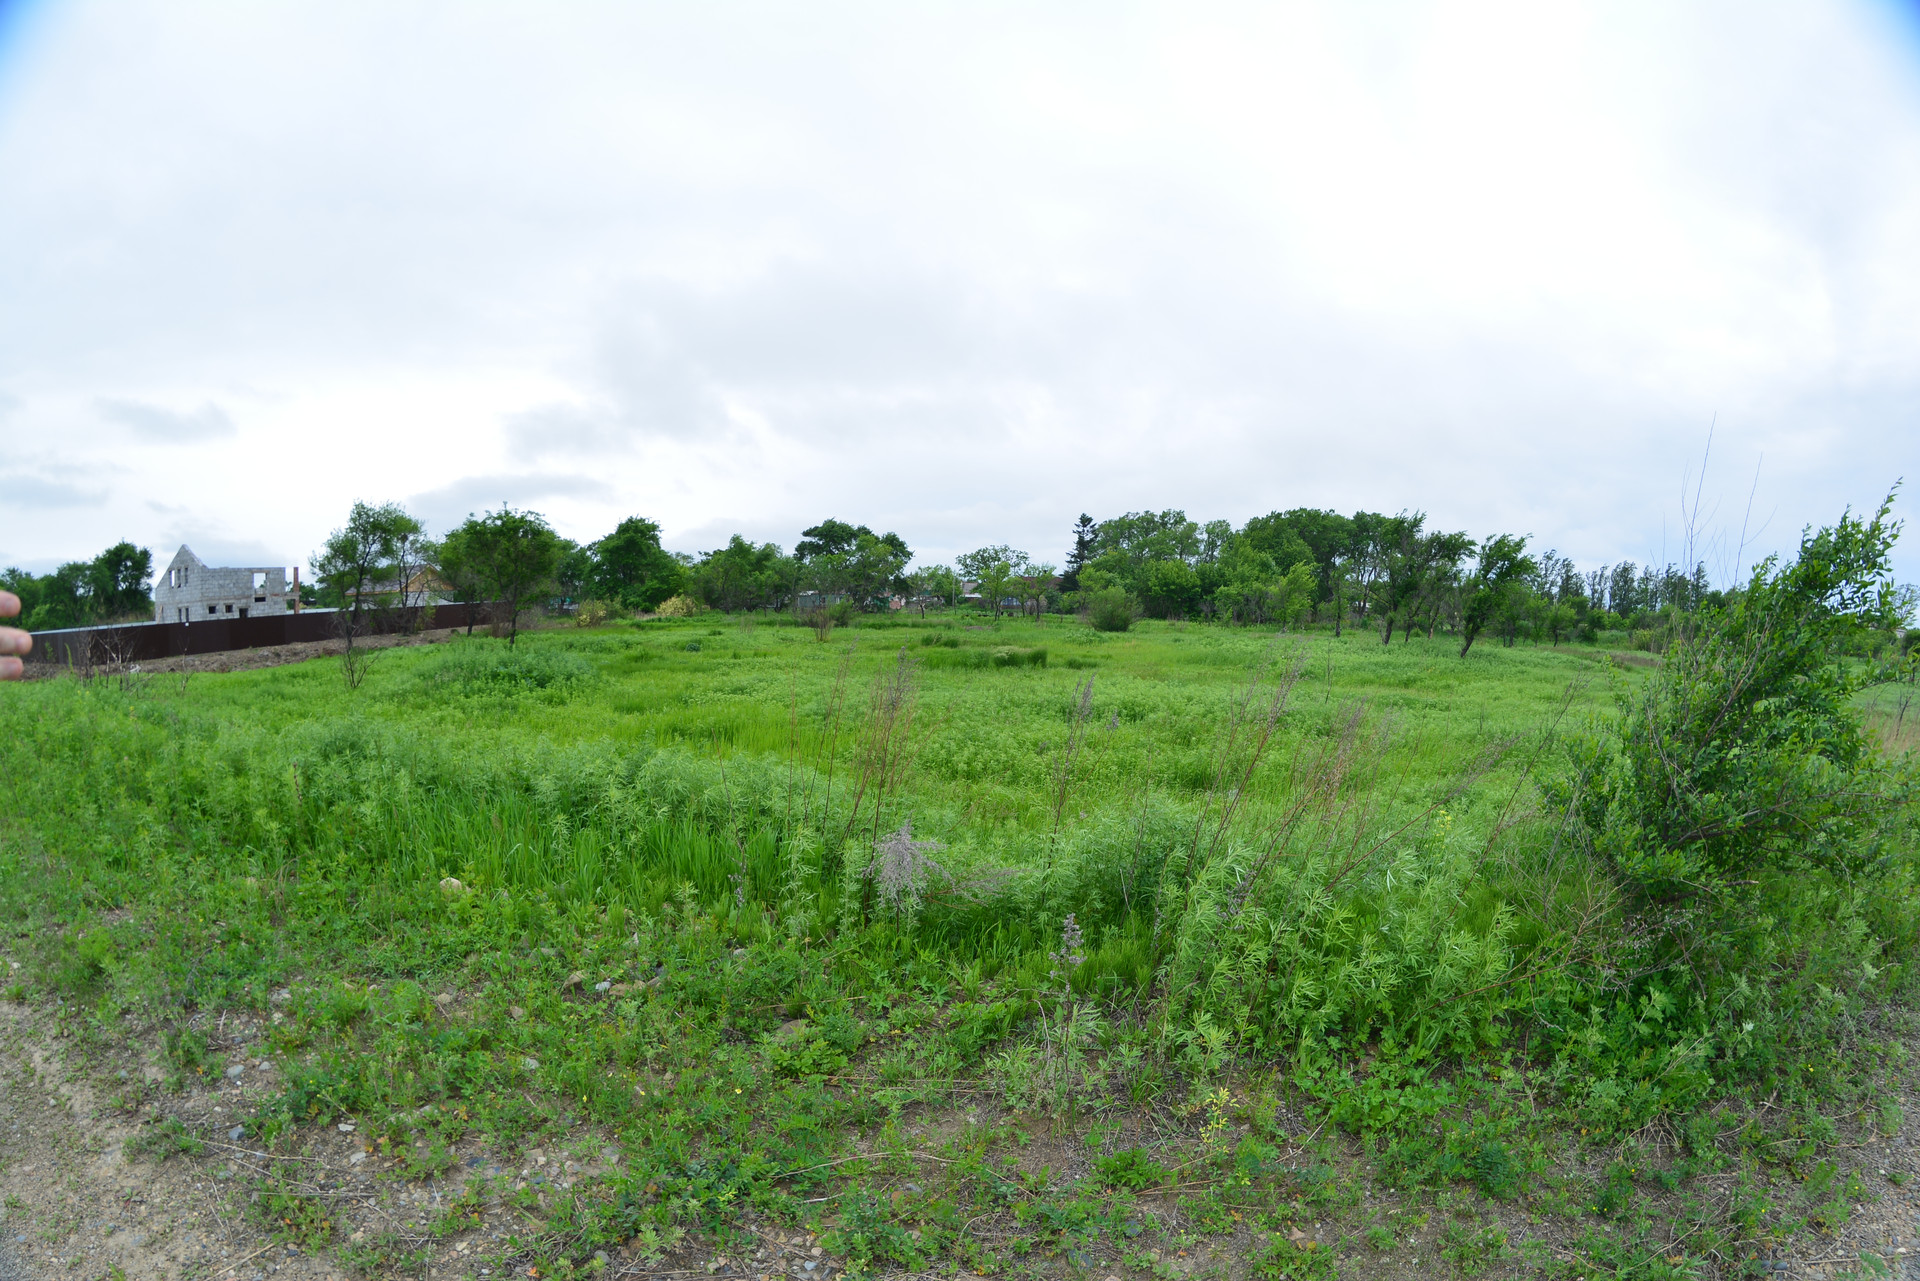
x,y
426,587
191,591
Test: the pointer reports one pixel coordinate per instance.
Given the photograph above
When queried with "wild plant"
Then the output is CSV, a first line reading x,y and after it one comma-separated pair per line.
x,y
1340,911
899,873
835,710
887,745
1077,720
1066,1071
1735,790
1239,748
799,864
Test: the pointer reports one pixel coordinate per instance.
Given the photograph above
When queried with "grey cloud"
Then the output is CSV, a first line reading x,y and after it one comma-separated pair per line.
x,y
155,423
658,390
643,385
959,312
447,506
548,430
25,489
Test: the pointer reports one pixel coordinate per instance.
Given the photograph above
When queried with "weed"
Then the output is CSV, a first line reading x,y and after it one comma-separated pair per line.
x,y
1133,1170
163,1139
289,1217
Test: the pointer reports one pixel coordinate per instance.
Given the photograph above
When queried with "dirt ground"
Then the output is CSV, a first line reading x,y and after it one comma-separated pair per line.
x,y
79,1204
241,660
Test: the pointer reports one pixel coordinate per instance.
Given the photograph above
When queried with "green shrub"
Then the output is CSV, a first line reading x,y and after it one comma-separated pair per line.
x,y
477,669
1760,844
1111,610
1745,752
1132,1169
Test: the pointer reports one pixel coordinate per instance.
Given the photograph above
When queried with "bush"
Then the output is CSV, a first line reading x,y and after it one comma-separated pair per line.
x,y
1745,752
590,613
478,670
1759,846
679,607
1111,610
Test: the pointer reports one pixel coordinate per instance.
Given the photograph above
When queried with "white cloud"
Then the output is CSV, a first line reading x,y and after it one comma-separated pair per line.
x,y
963,273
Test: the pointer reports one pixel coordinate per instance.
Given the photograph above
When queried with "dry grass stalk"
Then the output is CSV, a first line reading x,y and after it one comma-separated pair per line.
x,y
1076,738
886,750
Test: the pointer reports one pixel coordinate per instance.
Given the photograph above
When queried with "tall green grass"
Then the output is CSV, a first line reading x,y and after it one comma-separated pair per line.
x,y
1296,842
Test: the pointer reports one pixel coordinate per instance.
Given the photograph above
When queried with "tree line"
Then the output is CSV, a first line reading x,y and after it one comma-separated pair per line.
x,y
1395,574
112,587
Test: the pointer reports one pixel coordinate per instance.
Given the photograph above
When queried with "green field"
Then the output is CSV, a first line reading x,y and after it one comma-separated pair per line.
x,y
925,868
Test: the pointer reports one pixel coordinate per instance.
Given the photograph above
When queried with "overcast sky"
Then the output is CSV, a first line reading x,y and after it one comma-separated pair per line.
x,y
961,271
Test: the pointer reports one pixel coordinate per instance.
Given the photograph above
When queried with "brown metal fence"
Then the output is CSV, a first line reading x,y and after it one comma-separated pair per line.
x,y
90,647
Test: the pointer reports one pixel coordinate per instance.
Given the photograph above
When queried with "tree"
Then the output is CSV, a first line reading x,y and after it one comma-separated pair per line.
x,y
1035,579
742,576
922,583
828,538
1127,544
1396,548
407,547
993,568
632,569
852,560
111,586
1085,537
865,571
117,582
573,574
1504,565
1367,560
1339,588
1439,594
358,555
455,558
945,583
511,555
1171,589
1254,590
63,598
1327,537
1275,536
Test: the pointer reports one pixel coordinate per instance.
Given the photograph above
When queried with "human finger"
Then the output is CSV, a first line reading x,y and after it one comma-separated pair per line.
x,y
9,604
13,641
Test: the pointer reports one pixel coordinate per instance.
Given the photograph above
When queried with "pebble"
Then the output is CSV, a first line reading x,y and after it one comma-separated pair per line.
x,y
235,1133
233,1073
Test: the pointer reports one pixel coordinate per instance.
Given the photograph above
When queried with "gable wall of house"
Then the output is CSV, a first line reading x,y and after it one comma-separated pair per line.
x,y
191,592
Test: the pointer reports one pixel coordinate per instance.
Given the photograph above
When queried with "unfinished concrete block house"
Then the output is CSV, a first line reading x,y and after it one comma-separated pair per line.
x,y
191,590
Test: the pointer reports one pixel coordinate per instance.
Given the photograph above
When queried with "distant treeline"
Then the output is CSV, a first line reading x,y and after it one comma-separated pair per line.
x,y
112,587
1388,572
